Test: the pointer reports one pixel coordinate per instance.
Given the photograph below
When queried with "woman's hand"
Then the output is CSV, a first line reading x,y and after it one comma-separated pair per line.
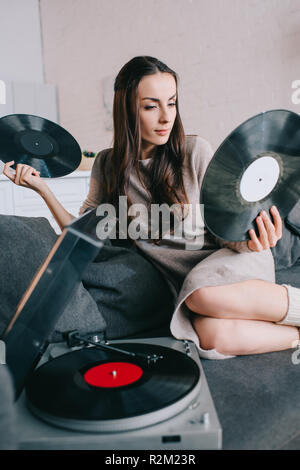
x,y
269,232
28,177
25,176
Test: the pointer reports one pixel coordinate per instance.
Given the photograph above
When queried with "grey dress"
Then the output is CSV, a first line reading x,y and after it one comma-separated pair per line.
x,y
191,258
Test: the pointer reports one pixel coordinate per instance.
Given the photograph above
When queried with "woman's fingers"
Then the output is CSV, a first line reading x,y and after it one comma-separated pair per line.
x,y
25,175
269,232
26,172
273,228
22,175
254,243
263,231
277,221
19,170
7,171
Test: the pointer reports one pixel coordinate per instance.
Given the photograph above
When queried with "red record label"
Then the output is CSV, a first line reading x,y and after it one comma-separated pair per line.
x,y
113,374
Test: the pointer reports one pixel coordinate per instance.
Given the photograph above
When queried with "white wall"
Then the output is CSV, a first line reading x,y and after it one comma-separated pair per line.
x,y
20,41
21,64
235,58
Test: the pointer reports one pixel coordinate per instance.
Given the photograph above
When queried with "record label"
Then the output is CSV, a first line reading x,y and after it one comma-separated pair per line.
x,y
259,179
113,374
36,143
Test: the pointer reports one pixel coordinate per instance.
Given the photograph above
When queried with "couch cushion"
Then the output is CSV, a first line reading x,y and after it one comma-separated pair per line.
x,y
257,399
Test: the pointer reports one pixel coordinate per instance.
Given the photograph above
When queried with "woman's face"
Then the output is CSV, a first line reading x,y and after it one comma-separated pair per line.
x,y
157,102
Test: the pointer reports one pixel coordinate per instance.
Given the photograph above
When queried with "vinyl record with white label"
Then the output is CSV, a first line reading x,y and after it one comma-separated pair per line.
x,y
257,166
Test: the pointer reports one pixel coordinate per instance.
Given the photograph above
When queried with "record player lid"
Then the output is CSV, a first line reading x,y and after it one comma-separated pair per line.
x,y
46,297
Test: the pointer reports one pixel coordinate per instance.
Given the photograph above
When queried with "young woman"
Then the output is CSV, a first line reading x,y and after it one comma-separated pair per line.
x,y
226,297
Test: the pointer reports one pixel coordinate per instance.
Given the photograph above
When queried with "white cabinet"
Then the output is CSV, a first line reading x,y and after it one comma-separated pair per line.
x,y
70,190
38,99
6,197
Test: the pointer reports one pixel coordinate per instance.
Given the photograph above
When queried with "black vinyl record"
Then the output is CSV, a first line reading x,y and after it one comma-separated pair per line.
x,y
40,143
256,166
62,389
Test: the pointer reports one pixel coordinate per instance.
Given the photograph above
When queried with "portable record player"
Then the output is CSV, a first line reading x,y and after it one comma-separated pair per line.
x,y
86,394
190,422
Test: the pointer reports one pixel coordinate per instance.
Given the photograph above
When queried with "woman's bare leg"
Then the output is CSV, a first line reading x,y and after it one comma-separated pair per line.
x,y
242,337
246,300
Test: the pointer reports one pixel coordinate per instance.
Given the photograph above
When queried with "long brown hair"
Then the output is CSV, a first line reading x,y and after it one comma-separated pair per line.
x,y
165,184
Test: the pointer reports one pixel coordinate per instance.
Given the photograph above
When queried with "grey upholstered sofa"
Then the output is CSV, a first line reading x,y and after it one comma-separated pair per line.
x,y
256,397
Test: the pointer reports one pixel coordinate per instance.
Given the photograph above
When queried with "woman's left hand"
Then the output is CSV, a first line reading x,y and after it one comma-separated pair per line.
x,y
269,232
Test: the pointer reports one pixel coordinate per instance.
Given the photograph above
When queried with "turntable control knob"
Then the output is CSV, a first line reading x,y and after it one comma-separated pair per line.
x,y
205,418
96,339
194,405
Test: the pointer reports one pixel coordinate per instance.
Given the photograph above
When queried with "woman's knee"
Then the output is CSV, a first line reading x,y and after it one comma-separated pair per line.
x,y
203,301
216,333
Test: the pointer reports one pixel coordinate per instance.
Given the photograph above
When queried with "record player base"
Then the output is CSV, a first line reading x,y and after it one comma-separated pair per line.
x,y
196,427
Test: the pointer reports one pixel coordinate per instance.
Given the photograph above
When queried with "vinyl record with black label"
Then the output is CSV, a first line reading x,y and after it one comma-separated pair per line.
x,y
257,166
40,143
95,390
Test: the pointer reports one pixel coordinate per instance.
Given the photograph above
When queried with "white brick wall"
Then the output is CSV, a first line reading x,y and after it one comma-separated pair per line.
x,y
20,41
235,58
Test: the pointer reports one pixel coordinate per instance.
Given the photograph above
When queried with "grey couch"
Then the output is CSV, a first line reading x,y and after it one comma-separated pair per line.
x,y
256,397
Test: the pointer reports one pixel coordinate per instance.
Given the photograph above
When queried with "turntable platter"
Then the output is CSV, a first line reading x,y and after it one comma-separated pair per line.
x,y
99,391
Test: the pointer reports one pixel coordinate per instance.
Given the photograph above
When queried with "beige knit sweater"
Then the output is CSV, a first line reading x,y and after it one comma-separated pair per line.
x,y
175,256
